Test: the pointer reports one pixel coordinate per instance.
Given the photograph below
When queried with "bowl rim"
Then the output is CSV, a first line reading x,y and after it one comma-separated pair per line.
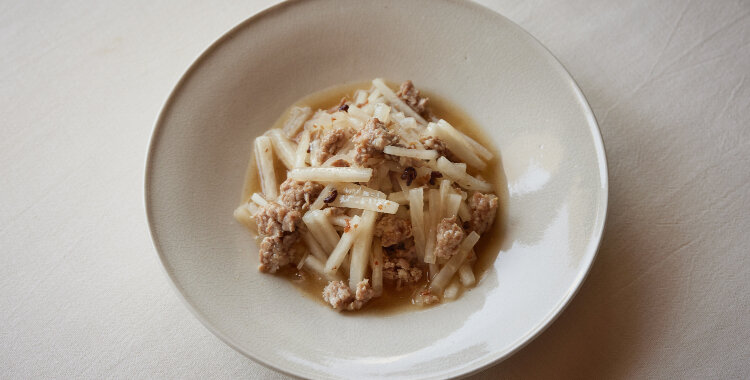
x,y
492,359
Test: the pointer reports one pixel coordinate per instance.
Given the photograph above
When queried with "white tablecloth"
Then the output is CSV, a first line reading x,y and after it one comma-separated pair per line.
x,y
81,290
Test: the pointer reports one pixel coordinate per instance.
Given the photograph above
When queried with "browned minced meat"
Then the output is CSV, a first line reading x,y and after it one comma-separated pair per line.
x,y
425,297
434,143
371,139
340,163
279,227
276,251
330,142
392,229
401,271
483,209
449,236
410,95
298,194
275,219
403,250
338,294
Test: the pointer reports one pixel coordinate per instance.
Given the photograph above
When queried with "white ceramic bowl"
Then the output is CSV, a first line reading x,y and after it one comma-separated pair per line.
x,y
535,114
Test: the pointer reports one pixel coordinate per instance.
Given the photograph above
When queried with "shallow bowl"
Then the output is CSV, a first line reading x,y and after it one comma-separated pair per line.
x,y
529,107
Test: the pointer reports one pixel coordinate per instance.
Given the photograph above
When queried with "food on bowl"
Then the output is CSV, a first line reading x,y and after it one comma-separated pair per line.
x,y
374,195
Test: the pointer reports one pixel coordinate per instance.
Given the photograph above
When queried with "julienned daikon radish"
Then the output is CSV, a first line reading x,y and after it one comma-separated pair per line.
x,y
327,218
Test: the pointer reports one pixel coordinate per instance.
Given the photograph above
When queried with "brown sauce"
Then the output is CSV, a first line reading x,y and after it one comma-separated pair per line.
x,y
488,247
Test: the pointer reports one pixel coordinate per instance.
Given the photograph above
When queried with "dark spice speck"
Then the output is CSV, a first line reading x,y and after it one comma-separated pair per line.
x,y
408,175
331,197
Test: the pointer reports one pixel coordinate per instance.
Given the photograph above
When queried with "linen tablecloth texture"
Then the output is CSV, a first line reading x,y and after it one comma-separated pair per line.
x,y
81,291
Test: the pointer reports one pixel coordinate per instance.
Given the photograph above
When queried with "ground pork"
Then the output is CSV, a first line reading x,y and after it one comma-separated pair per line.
x,y
410,95
278,225
401,271
370,141
449,236
426,297
483,209
405,250
299,195
274,219
340,163
338,294
330,142
276,252
392,229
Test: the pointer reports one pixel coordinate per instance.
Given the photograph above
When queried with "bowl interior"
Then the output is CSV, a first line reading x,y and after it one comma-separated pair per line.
x,y
530,109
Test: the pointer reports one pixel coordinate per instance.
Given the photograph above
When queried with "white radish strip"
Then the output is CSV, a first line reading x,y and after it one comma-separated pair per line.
x,y
382,112
368,109
313,246
382,180
352,189
318,266
446,273
399,197
300,157
252,208
461,177
339,220
355,123
295,120
430,240
366,203
264,159
321,230
466,274
326,229
322,119
413,153
284,148
361,249
313,156
457,144
243,215
434,269
433,196
342,248
320,200
398,117
360,97
376,263
464,212
451,206
395,101
408,123
445,189
302,260
358,114
416,211
433,164
373,95
451,292
331,174
483,152
257,198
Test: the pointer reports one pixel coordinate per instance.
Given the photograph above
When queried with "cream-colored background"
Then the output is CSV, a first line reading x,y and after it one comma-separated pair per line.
x,y
81,291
